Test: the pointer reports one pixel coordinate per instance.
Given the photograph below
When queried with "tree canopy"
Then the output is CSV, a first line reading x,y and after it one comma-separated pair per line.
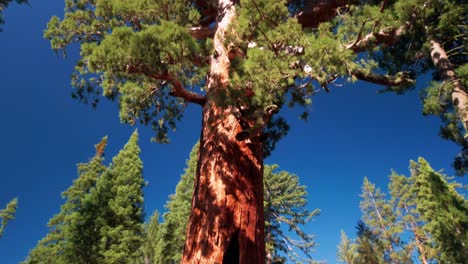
x,y
243,61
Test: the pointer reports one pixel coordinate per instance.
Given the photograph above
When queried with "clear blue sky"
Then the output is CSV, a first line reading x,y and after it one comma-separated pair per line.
x,y
352,132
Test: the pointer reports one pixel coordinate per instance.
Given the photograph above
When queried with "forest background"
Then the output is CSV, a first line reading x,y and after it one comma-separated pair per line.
x,y
351,133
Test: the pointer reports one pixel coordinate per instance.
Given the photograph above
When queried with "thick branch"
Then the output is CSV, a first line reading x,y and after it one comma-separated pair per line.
x,y
178,89
447,73
318,11
399,80
201,32
388,36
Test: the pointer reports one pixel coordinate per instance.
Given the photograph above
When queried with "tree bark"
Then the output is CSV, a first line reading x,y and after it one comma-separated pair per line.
x,y
446,70
226,223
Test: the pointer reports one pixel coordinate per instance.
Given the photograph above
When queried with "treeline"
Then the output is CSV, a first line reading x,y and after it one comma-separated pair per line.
x,y
102,219
422,217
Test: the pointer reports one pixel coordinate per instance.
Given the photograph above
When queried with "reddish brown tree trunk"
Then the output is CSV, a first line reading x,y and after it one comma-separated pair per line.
x,y
226,223
459,93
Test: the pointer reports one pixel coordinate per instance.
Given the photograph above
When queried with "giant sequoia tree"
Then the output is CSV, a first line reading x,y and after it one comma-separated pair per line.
x,y
285,202
241,61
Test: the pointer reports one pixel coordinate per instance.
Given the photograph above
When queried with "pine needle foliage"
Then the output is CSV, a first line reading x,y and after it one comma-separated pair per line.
x,y
7,214
424,218
101,220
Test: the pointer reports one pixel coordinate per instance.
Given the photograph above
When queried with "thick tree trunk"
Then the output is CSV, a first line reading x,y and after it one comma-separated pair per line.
x,y
459,94
226,222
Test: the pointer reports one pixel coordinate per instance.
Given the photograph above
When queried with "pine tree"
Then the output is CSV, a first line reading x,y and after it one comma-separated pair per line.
x,y
174,227
405,208
8,214
425,215
71,235
250,58
380,219
150,241
346,250
444,211
119,197
285,206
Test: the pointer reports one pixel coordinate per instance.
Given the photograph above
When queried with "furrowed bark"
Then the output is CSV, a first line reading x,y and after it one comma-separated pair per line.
x,y
446,70
226,223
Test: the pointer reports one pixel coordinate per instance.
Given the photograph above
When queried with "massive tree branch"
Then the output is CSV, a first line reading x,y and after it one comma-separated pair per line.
x,y
318,11
401,79
178,89
447,73
202,32
387,36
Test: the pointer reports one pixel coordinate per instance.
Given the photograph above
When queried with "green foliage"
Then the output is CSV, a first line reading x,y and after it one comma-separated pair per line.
x,y
425,217
444,210
124,46
285,203
101,220
71,235
175,220
285,206
131,51
7,214
150,240
119,197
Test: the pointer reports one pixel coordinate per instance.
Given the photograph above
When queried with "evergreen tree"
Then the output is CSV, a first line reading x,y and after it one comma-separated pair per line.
x,y
404,205
174,226
250,58
444,211
71,235
102,218
425,217
119,197
379,218
8,214
346,250
150,241
285,206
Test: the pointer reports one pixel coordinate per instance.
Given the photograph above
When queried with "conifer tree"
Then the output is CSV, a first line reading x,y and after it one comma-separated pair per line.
x,y
250,58
119,198
404,205
150,241
285,206
426,218
71,235
444,211
174,226
8,214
